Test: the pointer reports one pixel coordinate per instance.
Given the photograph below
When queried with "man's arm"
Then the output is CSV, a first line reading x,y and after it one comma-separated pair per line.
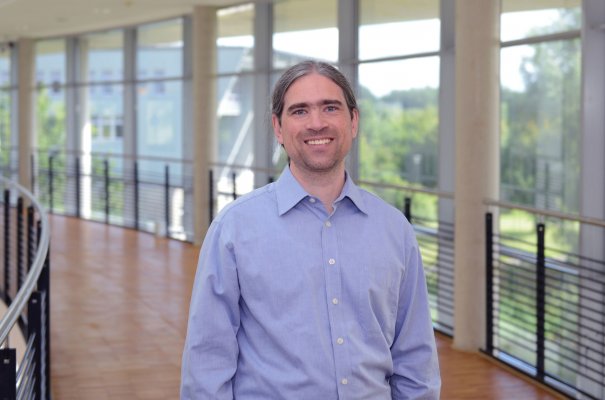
x,y
415,362
211,349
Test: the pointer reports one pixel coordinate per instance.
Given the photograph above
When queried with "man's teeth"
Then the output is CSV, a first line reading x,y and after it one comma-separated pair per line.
x,y
319,141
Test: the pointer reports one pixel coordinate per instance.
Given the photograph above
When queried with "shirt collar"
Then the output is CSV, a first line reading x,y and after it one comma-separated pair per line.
x,y
289,192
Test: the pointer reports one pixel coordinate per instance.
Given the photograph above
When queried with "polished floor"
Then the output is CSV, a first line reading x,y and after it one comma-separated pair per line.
x,y
119,302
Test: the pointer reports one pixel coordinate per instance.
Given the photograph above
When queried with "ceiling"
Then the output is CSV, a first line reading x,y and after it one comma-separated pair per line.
x,y
47,18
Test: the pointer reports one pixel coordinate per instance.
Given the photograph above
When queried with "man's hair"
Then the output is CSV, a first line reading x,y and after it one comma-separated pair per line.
x,y
306,68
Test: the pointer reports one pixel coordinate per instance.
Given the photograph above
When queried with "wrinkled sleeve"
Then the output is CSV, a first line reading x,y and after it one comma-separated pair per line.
x,y
415,363
211,350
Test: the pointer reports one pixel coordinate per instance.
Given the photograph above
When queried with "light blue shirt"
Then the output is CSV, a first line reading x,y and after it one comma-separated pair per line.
x,y
290,302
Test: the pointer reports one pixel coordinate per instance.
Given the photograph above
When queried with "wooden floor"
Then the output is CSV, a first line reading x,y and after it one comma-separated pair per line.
x,y
119,302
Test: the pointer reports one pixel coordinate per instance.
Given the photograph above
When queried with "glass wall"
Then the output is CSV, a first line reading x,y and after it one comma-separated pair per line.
x,y
304,29
5,109
399,96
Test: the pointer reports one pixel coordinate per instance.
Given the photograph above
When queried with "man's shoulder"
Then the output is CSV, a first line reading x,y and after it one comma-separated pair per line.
x,y
376,205
249,204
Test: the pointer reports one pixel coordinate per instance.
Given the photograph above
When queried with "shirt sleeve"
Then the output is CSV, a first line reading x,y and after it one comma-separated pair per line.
x,y
211,350
415,362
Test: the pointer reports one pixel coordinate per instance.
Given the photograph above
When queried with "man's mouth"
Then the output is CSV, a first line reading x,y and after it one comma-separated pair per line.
x,y
318,141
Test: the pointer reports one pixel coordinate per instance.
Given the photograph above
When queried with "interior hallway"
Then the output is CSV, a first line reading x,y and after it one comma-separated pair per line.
x,y
119,303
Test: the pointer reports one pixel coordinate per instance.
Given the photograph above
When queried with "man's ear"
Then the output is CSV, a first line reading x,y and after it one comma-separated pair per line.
x,y
277,129
354,122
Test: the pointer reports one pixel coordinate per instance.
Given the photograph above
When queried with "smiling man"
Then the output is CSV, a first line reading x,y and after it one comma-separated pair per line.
x,y
310,287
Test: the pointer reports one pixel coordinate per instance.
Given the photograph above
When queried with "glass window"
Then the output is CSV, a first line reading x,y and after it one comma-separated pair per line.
x,y
524,19
103,56
235,43
540,117
389,28
5,109
5,69
304,29
160,49
399,121
50,63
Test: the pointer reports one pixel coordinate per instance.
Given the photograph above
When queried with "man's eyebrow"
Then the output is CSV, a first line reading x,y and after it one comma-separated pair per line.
x,y
322,102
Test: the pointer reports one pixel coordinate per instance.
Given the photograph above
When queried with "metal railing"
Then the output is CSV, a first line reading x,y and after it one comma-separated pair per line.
x,y
26,292
545,302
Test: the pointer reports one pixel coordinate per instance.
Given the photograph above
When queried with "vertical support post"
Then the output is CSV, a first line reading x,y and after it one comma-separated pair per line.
x,y
540,301
8,373
234,186
50,183
7,241
210,196
407,208
167,198
31,237
489,284
106,178
20,252
136,194
34,329
32,172
78,189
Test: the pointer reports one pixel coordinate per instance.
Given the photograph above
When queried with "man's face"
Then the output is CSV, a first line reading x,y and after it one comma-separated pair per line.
x,y
316,127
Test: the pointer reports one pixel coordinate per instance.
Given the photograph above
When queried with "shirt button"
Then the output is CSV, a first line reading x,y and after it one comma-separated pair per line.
x,y
331,261
312,200
340,340
334,300
344,381
328,224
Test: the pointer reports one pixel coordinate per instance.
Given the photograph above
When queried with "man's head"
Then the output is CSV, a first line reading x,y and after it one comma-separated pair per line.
x,y
315,118
305,68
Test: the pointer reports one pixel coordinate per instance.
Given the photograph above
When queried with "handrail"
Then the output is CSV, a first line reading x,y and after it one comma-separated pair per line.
x,y
546,213
21,298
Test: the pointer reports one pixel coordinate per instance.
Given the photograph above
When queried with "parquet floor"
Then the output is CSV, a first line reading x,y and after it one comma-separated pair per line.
x,y
119,302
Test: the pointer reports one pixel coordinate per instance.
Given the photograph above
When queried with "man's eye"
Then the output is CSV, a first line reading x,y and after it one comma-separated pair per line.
x,y
298,112
331,108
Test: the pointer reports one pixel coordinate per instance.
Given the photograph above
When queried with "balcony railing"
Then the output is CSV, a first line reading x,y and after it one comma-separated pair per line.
x,y
25,326
546,301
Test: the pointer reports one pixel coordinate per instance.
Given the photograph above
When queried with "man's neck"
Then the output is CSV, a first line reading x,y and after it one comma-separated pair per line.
x,y
325,186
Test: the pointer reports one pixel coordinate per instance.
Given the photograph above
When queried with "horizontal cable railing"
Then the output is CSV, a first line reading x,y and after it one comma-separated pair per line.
x,y
24,372
545,296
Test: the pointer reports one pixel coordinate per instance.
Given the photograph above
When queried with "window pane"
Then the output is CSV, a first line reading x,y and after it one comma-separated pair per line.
x,y
103,57
105,118
50,62
389,28
304,29
235,116
160,50
5,66
235,43
5,130
159,119
540,130
523,19
399,121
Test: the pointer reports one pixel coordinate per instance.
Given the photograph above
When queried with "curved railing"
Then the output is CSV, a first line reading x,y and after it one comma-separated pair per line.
x,y
26,293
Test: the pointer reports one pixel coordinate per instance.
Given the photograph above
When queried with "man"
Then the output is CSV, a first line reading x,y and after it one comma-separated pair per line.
x,y
310,287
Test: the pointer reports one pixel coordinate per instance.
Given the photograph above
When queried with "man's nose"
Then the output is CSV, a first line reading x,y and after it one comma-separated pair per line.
x,y
316,120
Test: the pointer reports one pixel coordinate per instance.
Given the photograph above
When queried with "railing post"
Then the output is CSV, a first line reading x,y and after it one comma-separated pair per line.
x,y
78,187
540,301
211,195
136,195
167,198
407,208
233,186
8,373
489,284
106,179
19,240
7,241
50,183
31,237
34,329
